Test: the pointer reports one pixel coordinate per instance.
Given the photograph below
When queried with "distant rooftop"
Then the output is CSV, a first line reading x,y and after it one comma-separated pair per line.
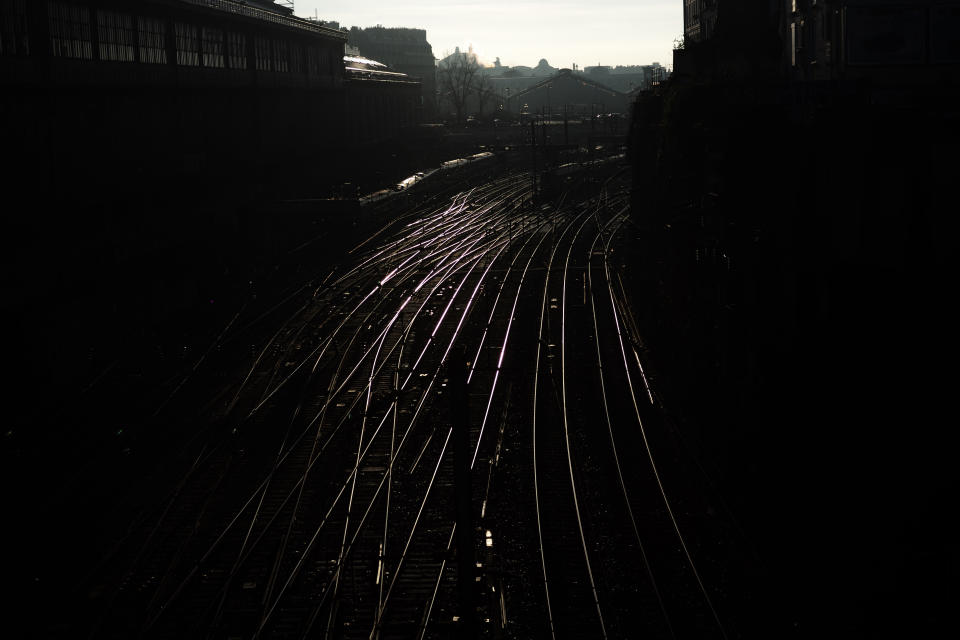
x,y
276,14
381,32
285,6
566,75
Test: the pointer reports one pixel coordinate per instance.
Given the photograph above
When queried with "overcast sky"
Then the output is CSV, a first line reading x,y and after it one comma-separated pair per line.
x,y
521,32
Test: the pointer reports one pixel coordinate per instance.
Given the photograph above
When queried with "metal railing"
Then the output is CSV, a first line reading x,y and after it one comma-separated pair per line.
x,y
231,6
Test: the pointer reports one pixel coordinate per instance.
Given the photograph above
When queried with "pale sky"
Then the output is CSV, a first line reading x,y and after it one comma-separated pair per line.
x,y
520,32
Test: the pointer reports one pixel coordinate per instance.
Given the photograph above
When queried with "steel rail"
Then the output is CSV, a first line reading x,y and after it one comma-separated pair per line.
x,y
613,444
649,451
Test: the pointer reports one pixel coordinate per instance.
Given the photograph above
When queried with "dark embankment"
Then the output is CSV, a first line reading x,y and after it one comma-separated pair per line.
x,y
795,289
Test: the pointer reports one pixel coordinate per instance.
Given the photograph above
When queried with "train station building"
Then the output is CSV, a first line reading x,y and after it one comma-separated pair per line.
x,y
574,92
203,87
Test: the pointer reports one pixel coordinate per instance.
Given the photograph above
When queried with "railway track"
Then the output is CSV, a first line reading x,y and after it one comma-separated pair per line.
x,y
315,498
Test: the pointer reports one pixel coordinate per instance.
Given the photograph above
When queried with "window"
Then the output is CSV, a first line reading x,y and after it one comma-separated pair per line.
x,y
69,31
188,45
281,56
14,38
212,48
262,50
237,50
692,10
115,32
297,61
794,43
152,34
313,61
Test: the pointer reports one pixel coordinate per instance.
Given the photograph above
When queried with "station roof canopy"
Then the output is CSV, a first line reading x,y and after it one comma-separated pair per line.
x,y
360,68
566,78
364,64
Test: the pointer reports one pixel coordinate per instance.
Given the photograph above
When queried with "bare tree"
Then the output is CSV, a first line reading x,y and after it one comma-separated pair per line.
x,y
484,90
455,76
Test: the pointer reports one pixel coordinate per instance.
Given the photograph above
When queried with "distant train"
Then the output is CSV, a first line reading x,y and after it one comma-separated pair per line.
x,y
406,183
484,156
568,169
376,196
554,181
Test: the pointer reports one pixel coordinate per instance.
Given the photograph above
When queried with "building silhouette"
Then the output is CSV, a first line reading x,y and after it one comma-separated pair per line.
x,y
405,50
791,183
165,86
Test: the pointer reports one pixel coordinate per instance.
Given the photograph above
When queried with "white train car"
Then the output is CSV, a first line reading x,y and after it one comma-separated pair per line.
x,y
456,163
